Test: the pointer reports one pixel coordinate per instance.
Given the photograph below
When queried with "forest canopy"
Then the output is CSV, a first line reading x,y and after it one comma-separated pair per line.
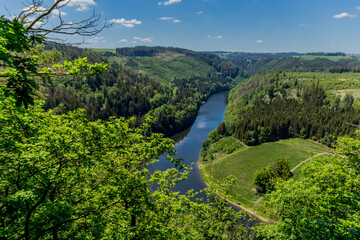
x,y
64,176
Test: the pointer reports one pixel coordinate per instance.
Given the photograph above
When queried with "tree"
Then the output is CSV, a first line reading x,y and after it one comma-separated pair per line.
x,y
39,18
64,177
18,66
264,179
282,169
324,203
31,26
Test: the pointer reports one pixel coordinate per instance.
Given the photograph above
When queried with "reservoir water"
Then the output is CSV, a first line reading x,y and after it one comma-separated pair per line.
x,y
188,143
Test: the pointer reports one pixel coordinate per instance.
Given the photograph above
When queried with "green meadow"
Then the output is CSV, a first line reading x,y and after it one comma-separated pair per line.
x,y
246,161
166,67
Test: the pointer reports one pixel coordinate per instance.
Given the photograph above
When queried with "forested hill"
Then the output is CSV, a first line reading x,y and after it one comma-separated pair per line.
x,y
279,104
254,63
167,84
168,63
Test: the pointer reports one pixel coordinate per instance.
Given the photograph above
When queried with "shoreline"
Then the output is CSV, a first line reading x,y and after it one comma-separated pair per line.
x,y
250,212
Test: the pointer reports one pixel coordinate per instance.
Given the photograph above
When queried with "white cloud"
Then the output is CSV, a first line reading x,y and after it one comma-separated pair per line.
x,y
83,5
139,39
259,41
123,40
343,15
29,20
199,12
169,2
96,40
33,9
303,24
170,19
215,37
126,23
146,39
358,8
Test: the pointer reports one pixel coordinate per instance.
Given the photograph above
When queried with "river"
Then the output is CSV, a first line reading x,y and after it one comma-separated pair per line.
x,y
188,145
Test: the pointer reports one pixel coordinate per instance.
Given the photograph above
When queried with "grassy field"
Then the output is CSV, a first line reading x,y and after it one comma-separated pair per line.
x,y
104,50
331,58
246,161
166,67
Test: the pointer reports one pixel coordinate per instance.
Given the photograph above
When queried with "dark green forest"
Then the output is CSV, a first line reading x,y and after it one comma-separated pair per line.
x,y
271,106
123,92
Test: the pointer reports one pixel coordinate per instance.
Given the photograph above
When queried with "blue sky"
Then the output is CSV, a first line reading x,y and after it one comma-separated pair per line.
x,y
230,25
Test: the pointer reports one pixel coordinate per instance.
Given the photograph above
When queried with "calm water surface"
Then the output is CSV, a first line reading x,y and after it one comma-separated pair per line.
x,y
188,143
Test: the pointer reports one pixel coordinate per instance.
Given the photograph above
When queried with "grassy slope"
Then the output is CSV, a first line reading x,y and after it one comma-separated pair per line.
x,y
165,69
246,161
104,50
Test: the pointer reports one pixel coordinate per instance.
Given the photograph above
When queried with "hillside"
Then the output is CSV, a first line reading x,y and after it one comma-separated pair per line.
x,y
278,115
168,63
165,84
319,106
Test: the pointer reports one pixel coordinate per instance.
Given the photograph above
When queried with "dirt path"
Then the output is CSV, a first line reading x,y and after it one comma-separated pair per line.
x,y
253,214
250,212
308,159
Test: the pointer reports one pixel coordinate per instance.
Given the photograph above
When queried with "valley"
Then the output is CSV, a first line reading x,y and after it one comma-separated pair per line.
x,y
260,139
175,119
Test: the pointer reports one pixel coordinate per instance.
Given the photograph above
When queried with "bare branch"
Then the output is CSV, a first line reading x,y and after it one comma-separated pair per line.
x,y
36,19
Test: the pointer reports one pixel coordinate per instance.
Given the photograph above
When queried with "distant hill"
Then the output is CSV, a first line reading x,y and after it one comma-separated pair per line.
x,y
254,63
247,55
